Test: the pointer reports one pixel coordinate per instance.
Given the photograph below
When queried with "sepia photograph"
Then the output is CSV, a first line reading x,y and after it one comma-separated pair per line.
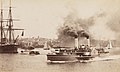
x,y
59,35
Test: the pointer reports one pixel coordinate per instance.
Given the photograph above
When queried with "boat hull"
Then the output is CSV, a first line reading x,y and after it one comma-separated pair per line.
x,y
85,57
68,57
8,49
51,57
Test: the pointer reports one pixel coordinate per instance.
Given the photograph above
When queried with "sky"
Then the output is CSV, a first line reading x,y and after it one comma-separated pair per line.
x,y
43,17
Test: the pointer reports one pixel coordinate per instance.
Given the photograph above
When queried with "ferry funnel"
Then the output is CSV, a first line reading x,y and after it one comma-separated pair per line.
x,y
76,42
88,42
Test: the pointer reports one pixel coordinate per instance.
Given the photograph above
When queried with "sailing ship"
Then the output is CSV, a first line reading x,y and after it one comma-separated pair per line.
x,y
104,49
46,46
109,46
8,42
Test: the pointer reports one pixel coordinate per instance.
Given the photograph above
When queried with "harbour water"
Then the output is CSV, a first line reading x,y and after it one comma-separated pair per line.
x,y
38,63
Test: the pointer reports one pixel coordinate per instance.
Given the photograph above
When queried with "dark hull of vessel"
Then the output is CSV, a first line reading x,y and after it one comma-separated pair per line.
x,y
68,57
85,57
51,57
9,48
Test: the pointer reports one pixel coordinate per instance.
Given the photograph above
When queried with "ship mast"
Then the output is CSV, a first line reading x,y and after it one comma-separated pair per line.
x,y
1,21
10,23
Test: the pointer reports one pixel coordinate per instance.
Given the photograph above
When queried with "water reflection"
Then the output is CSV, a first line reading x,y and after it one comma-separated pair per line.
x,y
7,62
37,63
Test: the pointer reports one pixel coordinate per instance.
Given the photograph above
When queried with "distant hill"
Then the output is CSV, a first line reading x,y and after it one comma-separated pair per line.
x,y
39,42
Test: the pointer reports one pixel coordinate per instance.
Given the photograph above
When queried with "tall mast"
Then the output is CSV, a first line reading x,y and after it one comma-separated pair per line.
x,y
10,23
1,21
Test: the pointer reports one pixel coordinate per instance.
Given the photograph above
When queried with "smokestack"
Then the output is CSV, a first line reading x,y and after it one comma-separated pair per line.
x,y
76,42
88,41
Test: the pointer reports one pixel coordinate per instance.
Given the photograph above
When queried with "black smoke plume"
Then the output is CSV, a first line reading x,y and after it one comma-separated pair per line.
x,y
70,31
73,28
82,33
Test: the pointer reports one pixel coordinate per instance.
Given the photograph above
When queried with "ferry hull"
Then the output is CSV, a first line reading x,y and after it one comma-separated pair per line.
x,y
85,58
68,57
61,57
8,49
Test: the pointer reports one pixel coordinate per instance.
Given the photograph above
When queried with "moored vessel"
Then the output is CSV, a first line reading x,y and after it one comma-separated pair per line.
x,y
8,42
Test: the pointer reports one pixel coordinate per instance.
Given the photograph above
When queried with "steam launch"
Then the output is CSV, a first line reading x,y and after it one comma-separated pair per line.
x,y
77,53
8,42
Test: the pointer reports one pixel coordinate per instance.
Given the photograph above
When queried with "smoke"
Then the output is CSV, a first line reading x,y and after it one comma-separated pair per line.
x,y
105,27
97,27
114,24
101,31
74,32
74,27
82,33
